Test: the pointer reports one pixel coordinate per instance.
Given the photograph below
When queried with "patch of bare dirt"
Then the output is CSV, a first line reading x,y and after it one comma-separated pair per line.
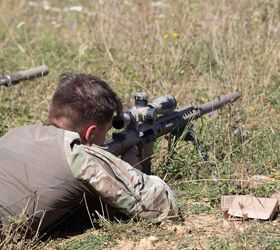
x,y
198,227
150,243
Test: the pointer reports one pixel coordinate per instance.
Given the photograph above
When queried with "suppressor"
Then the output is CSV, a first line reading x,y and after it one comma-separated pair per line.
x,y
22,75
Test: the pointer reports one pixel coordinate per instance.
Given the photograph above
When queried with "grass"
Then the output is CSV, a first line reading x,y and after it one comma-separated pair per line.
x,y
194,50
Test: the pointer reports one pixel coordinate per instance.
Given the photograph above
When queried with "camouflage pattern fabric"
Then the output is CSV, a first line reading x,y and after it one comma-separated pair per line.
x,y
117,183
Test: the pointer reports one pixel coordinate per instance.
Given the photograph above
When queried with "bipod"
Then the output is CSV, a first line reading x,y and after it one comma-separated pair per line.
x,y
188,134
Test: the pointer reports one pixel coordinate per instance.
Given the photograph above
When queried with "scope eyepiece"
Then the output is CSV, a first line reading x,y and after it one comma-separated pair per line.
x,y
123,121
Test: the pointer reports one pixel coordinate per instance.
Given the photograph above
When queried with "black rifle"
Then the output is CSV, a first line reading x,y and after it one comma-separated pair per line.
x,y
147,121
28,74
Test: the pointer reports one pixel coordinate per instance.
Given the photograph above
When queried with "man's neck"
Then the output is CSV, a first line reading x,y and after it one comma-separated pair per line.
x,y
62,123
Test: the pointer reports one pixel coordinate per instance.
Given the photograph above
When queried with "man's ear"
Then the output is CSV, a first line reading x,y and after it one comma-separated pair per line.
x,y
89,131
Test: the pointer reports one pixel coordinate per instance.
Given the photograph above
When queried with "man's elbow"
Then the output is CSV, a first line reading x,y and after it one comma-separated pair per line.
x,y
158,201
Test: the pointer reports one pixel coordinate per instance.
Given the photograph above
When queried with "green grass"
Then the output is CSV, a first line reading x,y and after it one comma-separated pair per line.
x,y
194,50
87,243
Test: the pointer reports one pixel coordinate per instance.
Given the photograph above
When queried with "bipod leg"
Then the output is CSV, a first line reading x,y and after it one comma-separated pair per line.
x,y
199,145
190,135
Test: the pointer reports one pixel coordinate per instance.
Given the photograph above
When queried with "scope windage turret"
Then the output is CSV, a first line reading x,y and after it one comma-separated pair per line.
x,y
144,111
141,99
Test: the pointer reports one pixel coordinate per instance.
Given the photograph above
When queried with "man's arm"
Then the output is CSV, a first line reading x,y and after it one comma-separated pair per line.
x,y
119,184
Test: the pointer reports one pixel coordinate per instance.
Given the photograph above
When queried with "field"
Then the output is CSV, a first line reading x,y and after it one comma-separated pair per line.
x,y
194,50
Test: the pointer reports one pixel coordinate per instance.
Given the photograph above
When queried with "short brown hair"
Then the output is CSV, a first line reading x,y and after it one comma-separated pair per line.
x,y
83,98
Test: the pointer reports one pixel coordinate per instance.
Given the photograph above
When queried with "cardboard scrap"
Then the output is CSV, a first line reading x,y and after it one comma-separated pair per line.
x,y
226,202
247,206
276,196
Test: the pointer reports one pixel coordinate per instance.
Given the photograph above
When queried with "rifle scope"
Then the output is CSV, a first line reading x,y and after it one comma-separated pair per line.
x,y
27,74
144,111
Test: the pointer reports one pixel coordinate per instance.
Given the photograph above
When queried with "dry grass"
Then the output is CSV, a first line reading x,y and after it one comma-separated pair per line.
x,y
194,50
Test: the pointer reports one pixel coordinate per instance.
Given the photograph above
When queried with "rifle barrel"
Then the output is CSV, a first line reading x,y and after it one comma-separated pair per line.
x,y
22,75
219,102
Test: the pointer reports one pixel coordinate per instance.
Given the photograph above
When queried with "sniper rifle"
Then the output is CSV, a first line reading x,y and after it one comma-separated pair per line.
x,y
145,122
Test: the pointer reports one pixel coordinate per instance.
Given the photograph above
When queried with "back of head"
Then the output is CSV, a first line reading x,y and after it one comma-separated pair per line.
x,y
80,99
